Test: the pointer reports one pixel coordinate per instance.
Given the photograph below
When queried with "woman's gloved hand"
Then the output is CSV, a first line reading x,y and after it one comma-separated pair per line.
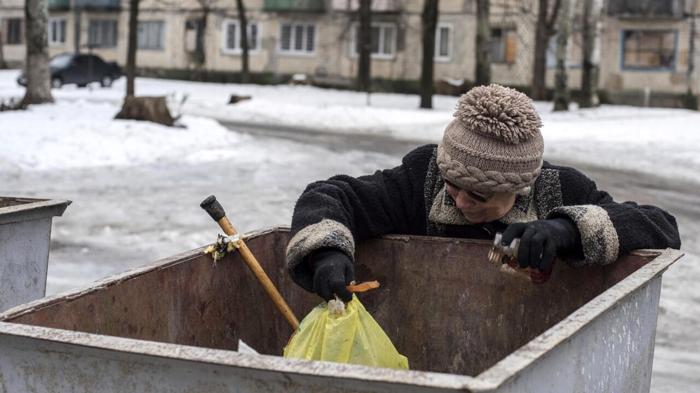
x,y
542,240
333,271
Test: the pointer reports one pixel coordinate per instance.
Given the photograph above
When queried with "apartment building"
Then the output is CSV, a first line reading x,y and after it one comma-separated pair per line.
x,y
645,47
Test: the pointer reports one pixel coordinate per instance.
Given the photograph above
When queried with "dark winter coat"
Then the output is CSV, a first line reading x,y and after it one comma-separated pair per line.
x,y
411,199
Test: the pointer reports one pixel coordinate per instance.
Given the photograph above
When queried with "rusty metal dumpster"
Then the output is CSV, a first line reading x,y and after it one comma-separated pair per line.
x,y
174,326
25,232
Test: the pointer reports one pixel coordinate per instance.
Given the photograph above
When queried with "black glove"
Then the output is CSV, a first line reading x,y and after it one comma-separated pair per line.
x,y
542,240
333,270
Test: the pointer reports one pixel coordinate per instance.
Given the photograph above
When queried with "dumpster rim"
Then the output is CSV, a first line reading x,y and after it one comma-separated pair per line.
x,y
202,355
227,358
491,378
530,353
34,208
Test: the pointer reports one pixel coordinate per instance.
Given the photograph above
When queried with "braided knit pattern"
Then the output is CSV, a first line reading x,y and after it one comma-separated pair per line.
x,y
473,178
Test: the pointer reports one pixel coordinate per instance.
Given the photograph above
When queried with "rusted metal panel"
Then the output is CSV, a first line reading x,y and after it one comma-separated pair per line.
x,y
441,303
464,314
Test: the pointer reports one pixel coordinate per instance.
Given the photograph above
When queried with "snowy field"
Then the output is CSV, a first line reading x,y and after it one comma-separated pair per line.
x,y
136,187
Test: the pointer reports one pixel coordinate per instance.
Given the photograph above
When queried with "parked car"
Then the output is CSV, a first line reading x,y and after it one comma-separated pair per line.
x,y
80,69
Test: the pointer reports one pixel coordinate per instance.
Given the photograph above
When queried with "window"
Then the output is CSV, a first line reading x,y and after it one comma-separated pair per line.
x,y
503,45
15,31
383,40
102,33
297,38
232,37
648,49
443,42
57,31
150,35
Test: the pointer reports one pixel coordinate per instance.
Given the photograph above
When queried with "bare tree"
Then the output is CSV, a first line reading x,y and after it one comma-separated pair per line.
x,y
364,38
429,19
245,74
562,96
591,31
153,109
3,64
546,18
38,91
132,46
691,102
483,43
201,31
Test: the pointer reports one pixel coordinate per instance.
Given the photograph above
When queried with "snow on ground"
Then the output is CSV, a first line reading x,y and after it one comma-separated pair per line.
x,y
78,134
136,186
612,136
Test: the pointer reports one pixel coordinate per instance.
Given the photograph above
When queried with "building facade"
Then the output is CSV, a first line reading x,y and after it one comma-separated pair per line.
x,y
646,46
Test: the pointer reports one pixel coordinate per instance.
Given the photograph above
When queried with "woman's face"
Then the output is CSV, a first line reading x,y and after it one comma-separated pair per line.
x,y
478,207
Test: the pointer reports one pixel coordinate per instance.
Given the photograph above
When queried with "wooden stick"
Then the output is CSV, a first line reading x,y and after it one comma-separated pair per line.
x,y
217,213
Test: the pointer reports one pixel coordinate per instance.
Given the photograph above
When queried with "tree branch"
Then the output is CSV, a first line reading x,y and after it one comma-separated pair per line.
x,y
550,24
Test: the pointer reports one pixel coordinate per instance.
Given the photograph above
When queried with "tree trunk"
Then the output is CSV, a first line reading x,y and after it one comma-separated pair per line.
x,y
77,19
37,64
483,43
691,101
543,32
364,45
429,18
132,47
201,33
691,54
561,88
245,75
592,26
3,64
154,109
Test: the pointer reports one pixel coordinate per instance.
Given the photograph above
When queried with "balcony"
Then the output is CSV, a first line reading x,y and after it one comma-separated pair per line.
x,y
647,9
294,6
377,5
59,5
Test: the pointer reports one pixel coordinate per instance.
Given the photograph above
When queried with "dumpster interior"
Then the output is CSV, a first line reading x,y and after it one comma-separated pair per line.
x,y
441,302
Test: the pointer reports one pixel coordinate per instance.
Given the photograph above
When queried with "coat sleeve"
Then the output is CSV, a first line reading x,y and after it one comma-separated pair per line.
x,y
610,229
337,212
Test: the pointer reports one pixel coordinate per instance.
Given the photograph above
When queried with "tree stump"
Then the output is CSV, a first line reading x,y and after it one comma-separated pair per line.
x,y
234,99
152,109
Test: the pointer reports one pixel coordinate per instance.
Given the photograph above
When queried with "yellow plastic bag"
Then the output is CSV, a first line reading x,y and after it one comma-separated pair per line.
x,y
350,337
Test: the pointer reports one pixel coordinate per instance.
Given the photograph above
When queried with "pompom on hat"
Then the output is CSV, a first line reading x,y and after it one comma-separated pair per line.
x,y
494,142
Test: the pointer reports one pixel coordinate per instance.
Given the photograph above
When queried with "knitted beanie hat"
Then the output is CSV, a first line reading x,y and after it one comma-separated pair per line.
x,y
494,143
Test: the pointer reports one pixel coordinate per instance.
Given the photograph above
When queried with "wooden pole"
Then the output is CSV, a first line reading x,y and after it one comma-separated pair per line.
x,y
213,207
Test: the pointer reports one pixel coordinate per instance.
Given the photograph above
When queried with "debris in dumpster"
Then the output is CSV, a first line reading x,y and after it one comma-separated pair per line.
x,y
363,287
344,333
245,348
223,246
506,258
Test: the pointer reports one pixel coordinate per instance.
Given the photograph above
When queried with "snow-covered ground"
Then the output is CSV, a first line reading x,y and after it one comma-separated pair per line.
x,y
136,186
654,140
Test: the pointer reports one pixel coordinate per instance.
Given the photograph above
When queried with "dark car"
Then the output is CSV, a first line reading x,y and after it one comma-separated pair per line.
x,y
80,69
